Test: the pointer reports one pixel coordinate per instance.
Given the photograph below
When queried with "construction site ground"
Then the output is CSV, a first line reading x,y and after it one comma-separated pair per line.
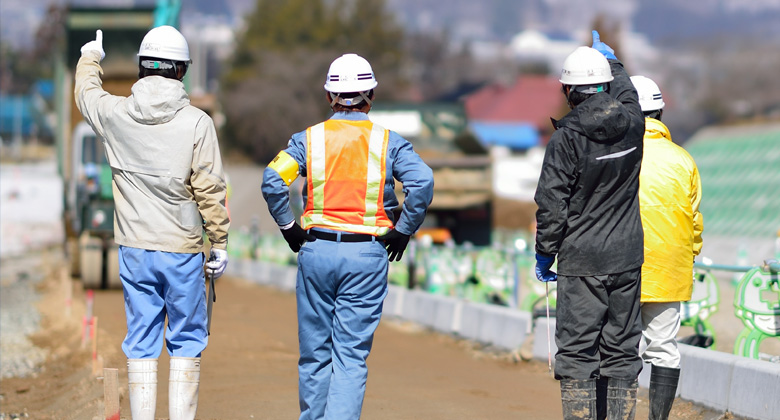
x,y
249,370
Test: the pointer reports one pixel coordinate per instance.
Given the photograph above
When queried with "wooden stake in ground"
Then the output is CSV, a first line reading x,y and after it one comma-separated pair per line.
x,y
87,321
93,337
68,288
111,393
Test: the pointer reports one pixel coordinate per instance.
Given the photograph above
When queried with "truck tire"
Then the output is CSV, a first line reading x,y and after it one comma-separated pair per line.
x,y
112,268
74,261
91,261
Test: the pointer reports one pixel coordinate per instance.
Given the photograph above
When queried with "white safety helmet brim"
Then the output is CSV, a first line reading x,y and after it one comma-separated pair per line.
x,y
585,66
650,98
165,42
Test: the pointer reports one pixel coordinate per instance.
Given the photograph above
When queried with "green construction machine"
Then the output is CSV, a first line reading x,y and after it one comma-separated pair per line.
x,y
89,205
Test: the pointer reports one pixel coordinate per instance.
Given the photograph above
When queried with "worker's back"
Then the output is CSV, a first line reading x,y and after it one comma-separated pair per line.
x,y
156,144
597,154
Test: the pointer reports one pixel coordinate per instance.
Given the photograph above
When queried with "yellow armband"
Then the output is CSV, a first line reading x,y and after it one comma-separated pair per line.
x,y
285,166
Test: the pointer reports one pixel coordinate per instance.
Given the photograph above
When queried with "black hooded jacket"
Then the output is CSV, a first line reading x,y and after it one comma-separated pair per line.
x,y
588,190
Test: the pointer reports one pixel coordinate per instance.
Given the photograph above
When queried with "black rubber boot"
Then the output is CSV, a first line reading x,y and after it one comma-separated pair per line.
x,y
621,399
601,398
663,387
578,398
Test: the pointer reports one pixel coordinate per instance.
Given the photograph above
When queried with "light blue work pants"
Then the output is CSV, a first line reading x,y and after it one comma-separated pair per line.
x,y
157,284
340,290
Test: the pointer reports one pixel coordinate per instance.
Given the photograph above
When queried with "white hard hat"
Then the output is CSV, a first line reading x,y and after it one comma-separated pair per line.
x,y
165,42
650,98
585,66
350,73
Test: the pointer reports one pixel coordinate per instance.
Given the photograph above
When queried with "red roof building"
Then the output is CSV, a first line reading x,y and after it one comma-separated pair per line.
x,y
532,99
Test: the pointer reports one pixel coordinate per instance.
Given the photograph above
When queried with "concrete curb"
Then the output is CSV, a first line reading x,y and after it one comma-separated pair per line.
x,y
755,389
717,380
540,340
705,376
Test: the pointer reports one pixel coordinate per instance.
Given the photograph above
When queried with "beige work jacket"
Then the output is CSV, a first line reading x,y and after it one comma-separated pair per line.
x,y
168,181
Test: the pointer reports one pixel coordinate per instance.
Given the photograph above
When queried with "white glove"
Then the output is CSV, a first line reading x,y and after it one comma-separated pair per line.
x,y
96,45
217,266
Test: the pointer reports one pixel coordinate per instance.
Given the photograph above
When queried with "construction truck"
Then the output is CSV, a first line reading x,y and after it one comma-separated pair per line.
x,y
89,210
88,202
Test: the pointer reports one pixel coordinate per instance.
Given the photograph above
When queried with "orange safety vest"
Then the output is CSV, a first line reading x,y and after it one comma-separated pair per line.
x,y
345,168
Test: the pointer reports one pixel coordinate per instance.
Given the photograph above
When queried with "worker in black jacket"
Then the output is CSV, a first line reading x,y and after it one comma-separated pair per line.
x,y
589,217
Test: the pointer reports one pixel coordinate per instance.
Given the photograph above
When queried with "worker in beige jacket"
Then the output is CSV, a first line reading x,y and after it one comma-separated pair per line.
x,y
168,186
669,197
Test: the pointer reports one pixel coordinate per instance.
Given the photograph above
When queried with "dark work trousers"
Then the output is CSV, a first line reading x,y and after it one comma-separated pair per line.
x,y
598,326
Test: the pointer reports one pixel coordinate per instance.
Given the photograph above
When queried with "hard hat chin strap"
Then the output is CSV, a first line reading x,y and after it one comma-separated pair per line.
x,y
337,99
364,96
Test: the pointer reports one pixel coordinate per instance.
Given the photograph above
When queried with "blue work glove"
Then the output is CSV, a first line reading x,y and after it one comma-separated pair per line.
x,y
601,47
543,264
96,45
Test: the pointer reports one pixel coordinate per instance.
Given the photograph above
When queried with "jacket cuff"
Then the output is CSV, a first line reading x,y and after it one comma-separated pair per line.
x,y
403,227
222,246
545,255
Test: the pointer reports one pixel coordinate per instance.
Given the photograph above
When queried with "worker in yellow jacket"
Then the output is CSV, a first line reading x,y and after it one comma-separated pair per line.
x,y
669,197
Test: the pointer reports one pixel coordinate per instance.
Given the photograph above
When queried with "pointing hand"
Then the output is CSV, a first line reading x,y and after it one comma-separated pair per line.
x,y
96,45
601,47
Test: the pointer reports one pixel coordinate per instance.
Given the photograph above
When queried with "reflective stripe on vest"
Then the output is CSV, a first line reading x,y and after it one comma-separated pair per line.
x,y
346,178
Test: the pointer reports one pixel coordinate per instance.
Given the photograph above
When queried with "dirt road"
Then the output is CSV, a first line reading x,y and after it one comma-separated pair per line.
x,y
249,369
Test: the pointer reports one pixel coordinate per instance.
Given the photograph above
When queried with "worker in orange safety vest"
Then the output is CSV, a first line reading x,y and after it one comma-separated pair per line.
x,y
348,234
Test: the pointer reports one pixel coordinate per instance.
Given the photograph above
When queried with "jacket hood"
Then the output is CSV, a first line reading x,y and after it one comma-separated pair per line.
x,y
156,100
656,129
601,118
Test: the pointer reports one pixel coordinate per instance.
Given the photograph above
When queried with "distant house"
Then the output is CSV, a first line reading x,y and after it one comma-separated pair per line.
x,y
516,116
432,127
462,199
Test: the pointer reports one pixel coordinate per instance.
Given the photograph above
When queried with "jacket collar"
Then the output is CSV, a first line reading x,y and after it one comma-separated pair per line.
x,y
350,116
657,129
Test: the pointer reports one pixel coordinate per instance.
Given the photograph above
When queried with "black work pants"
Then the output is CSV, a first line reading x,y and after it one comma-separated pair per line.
x,y
598,326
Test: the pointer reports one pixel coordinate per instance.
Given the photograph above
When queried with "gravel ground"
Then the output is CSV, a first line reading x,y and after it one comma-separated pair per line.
x,y
30,206
19,317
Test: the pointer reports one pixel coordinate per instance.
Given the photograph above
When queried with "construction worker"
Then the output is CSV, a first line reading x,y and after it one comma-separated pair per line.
x,y
168,186
347,237
669,197
589,218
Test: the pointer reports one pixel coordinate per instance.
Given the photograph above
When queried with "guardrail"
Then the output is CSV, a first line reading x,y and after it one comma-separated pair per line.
x,y
772,266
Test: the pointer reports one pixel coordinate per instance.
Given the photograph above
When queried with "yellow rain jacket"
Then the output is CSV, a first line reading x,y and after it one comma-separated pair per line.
x,y
669,197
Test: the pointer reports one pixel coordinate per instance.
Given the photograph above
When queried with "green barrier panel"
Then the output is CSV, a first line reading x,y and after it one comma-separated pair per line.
x,y
757,304
398,274
696,312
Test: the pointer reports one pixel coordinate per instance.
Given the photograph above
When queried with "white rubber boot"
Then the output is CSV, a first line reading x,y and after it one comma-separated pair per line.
x,y
183,387
142,382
